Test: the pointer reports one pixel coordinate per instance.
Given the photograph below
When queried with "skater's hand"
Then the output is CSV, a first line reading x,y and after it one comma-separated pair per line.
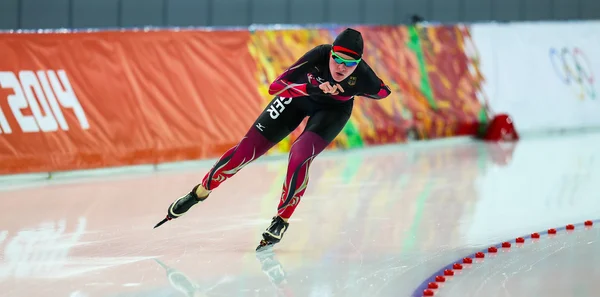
x,y
328,89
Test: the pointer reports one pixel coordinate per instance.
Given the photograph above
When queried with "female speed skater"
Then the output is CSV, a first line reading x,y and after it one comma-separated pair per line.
x,y
321,85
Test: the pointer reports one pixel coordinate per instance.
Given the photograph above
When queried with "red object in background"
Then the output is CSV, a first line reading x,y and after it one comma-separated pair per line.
x,y
501,128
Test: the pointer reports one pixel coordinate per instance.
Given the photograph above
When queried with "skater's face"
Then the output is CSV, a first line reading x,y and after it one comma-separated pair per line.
x,y
341,65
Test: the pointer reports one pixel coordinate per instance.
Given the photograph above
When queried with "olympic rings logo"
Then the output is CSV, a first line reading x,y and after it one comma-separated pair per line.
x,y
574,69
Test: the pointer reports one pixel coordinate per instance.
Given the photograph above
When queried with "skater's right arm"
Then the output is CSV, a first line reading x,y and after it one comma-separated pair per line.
x,y
285,86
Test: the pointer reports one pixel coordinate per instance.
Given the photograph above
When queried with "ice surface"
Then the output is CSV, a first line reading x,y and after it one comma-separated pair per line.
x,y
374,222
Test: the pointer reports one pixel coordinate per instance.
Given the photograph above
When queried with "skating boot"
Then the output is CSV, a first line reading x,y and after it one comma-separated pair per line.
x,y
182,205
273,234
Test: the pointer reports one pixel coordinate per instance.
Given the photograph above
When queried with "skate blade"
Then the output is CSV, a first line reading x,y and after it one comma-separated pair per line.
x,y
263,247
161,222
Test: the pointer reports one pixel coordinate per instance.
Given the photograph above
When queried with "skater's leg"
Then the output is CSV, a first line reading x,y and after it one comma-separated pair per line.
x,y
321,129
277,121
302,153
251,147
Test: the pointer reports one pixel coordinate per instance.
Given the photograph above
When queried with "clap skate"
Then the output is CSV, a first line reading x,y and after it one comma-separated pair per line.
x,y
182,205
273,234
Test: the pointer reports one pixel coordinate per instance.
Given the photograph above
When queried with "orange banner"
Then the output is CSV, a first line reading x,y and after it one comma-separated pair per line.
x,y
89,100
100,99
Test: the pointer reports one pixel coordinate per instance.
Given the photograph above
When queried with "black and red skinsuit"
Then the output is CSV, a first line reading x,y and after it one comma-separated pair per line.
x,y
297,95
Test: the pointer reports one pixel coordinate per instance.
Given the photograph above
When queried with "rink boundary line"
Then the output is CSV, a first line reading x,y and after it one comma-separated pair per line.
x,y
28,180
430,284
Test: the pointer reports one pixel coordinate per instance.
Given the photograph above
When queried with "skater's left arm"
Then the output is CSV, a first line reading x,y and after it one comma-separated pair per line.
x,y
375,88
